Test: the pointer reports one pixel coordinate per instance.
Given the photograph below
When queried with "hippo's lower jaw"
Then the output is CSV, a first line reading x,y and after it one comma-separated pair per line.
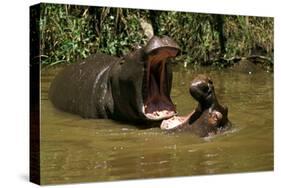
x,y
158,107
159,114
157,102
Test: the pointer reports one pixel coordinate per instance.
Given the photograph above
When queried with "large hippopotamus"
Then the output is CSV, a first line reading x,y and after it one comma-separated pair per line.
x,y
209,116
133,88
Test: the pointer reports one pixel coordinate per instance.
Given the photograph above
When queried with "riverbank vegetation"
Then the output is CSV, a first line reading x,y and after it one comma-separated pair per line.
x,y
71,32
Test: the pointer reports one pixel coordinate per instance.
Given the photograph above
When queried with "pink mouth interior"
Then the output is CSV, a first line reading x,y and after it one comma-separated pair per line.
x,y
158,104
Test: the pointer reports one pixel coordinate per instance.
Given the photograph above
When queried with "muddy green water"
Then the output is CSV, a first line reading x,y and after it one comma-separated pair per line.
x,y
82,150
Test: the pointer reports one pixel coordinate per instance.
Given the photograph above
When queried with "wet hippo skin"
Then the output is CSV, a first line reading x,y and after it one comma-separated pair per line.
x,y
209,116
134,88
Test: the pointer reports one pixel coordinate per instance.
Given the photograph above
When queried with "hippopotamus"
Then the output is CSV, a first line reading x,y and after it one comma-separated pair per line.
x,y
209,116
135,87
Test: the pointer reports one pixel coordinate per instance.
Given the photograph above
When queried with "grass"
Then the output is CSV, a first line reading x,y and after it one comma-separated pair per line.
x,y
71,32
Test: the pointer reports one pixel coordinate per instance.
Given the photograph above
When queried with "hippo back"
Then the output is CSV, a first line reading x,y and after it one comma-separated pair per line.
x,y
82,87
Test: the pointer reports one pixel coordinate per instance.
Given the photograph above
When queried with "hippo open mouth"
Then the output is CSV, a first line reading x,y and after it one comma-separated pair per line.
x,y
157,102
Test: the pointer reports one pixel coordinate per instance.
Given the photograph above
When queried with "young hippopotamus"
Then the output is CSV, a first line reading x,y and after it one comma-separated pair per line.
x,y
208,118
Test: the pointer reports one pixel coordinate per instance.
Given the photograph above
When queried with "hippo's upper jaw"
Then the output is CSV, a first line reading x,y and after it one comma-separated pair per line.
x,y
202,90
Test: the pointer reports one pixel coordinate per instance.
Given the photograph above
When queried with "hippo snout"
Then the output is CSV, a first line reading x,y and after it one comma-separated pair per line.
x,y
200,90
